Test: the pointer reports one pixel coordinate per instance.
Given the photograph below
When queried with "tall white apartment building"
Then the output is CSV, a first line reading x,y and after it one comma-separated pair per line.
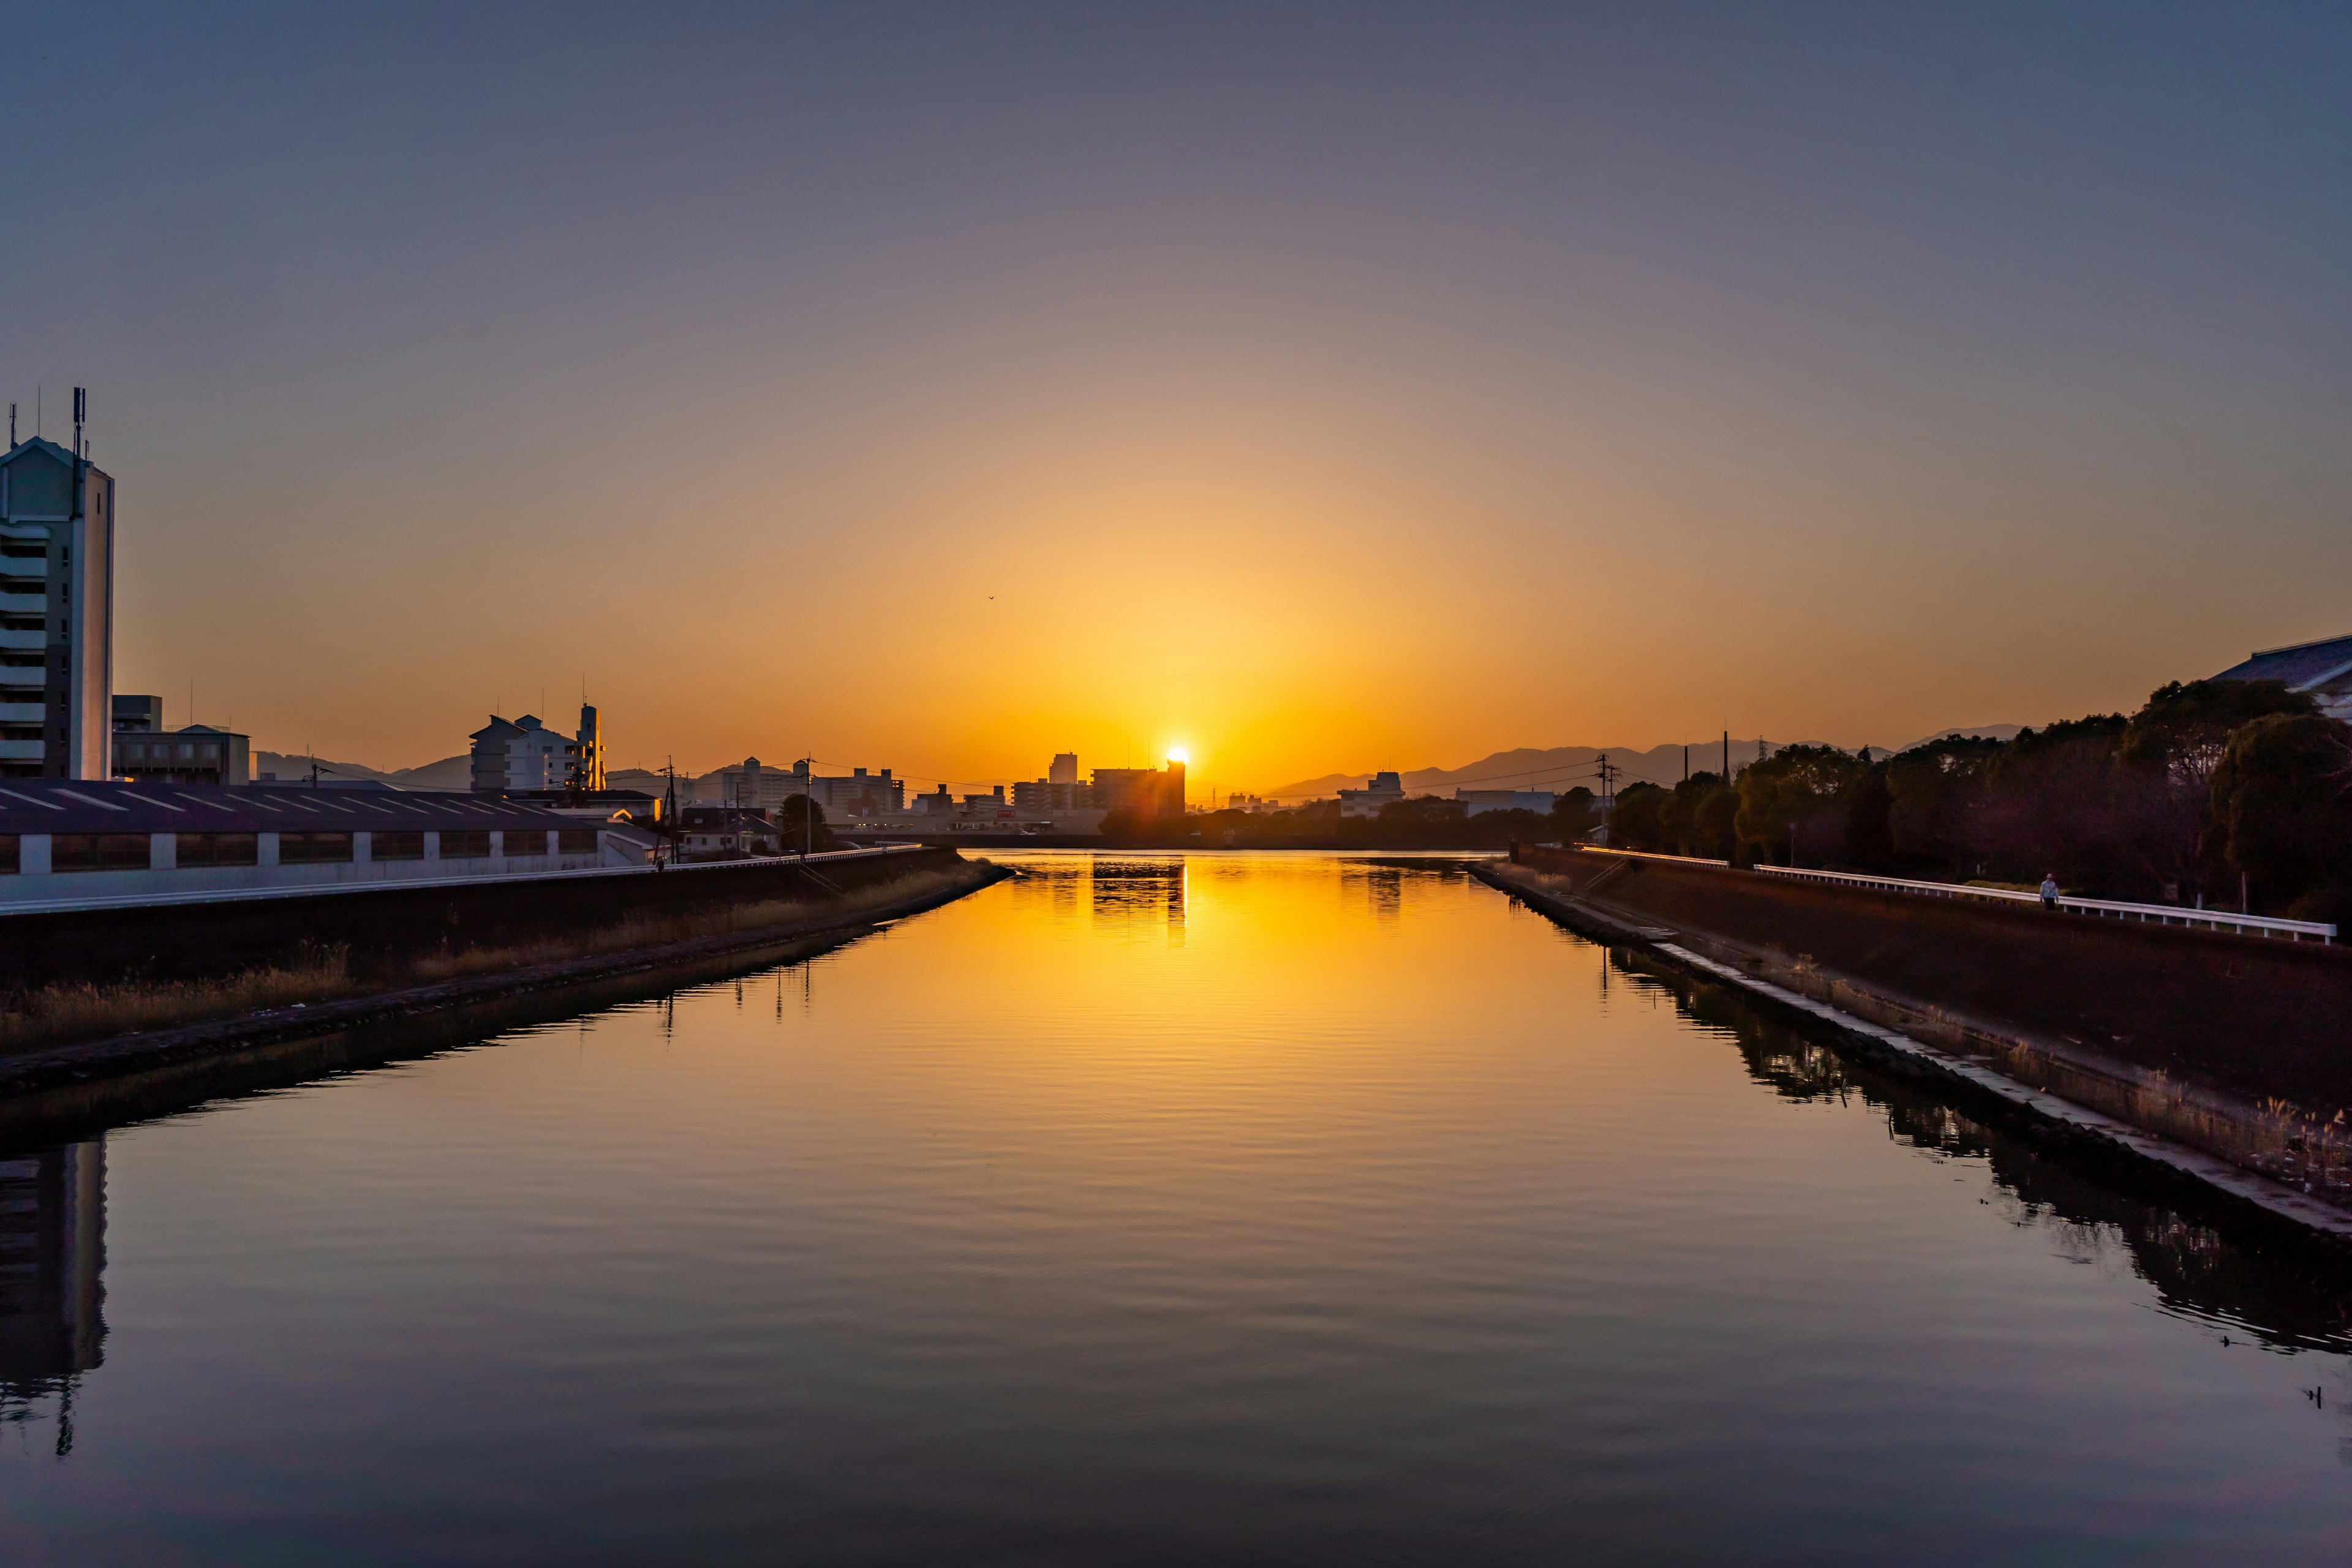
x,y
56,613
525,754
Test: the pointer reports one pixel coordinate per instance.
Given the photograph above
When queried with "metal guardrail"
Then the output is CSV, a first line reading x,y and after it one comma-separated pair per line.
x,y
2102,908
393,884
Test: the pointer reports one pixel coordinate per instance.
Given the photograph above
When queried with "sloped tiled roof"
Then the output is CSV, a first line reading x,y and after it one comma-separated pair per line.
x,y
2305,663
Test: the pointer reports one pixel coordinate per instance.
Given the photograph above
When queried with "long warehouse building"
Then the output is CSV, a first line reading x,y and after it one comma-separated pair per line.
x,y
91,842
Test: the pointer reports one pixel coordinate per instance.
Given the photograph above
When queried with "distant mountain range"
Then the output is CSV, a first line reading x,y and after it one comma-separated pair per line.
x,y
1563,768
454,773
449,773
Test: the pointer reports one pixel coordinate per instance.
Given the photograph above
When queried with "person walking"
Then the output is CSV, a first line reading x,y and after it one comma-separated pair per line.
x,y
2050,889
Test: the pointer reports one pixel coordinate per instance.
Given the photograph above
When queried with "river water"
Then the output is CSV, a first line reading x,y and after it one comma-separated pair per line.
x,y
1222,1208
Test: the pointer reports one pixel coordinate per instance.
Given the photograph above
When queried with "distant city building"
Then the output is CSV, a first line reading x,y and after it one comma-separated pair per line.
x,y
192,754
1378,791
588,752
137,712
756,786
56,613
2324,669
1059,789
525,754
1140,792
1045,795
725,832
1477,802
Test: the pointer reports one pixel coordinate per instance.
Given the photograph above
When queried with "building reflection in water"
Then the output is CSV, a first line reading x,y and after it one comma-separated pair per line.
x,y
52,1265
1382,886
1141,895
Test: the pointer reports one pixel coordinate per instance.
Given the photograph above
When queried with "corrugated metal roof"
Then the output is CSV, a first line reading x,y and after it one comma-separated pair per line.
x,y
2297,666
80,805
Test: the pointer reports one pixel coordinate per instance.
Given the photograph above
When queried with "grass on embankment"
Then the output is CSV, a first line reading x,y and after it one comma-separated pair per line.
x,y
64,1015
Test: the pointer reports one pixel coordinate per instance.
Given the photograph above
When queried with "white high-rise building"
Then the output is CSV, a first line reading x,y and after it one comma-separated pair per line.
x,y
56,613
525,754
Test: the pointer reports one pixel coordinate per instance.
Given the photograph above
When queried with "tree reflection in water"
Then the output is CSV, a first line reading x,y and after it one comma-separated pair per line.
x,y
2205,1261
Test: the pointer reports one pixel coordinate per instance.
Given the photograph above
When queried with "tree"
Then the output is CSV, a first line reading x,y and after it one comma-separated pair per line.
x,y
1572,814
1869,835
1798,791
2280,814
1934,792
1634,824
2170,750
1424,808
1695,819
2050,803
801,825
1714,817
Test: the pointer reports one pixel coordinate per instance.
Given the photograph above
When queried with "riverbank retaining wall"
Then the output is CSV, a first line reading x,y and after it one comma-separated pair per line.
x,y
379,932
2253,1018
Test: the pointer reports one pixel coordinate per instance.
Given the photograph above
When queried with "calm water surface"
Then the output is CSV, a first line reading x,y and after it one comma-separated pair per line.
x,y
1232,1209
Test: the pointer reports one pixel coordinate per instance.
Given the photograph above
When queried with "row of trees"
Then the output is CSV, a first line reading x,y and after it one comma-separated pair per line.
x,y
2218,789
1422,822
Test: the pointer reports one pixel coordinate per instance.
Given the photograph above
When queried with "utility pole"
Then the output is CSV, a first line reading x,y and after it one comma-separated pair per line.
x,y
1727,756
1608,800
1685,762
669,811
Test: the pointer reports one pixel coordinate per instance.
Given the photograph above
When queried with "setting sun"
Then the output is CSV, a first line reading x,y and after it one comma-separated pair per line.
x,y
1179,754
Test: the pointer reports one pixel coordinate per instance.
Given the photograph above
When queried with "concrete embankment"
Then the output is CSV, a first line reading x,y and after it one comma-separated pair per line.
x,y
534,977
2220,1056
381,932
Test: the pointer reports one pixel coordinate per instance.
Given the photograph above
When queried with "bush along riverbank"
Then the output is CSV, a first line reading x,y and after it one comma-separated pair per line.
x,y
2226,1046
124,1019
2230,793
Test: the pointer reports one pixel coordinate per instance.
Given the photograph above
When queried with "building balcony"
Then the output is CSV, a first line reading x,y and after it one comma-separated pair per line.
x,y
24,642
19,712
21,752
23,603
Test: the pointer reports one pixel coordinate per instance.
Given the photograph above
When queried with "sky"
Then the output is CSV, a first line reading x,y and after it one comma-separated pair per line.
x,y
1306,387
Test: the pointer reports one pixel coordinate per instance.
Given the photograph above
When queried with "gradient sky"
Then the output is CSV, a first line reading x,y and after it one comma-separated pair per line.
x,y
1313,387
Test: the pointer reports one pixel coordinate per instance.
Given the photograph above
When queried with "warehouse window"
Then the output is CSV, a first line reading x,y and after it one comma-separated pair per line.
x,y
197,851
575,841
396,846
98,852
313,849
473,846
518,843
10,853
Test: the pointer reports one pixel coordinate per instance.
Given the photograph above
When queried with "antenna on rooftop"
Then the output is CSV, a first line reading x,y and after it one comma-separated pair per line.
x,y
12,424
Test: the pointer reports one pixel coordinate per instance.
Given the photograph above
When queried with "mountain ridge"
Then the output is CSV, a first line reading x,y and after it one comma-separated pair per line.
x,y
1561,768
